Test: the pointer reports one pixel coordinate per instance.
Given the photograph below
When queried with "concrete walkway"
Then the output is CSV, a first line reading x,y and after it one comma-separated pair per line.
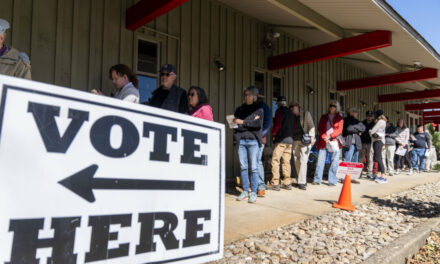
x,y
286,207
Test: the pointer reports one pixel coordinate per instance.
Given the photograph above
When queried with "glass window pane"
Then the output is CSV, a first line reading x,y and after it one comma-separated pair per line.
x,y
274,107
259,82
147,57
146,87
276,87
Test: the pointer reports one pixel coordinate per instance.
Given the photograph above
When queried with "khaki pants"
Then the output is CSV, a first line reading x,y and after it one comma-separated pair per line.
x,y
301,157
389,153
281,151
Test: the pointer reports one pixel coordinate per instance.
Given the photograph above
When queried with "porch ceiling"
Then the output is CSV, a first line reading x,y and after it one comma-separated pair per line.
x,y
354,17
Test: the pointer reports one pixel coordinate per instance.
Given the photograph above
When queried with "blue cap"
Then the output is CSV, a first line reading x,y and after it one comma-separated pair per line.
x,y
3,25
169,68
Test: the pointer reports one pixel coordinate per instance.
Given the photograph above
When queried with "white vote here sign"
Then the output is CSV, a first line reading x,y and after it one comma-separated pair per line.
x,y
92,179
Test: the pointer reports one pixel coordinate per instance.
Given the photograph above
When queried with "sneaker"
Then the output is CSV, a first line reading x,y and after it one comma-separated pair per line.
x,y
287,187
397,172
410,172
382,180
252,198
302,187
369,176
261,193
376,178
390,174
243,196
316,183
274,187
332,184
355,181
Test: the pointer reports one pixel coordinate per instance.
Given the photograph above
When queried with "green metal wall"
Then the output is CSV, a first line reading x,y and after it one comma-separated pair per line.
x,y
74,42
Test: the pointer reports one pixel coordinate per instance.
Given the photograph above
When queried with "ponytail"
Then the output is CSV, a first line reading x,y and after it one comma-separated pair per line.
x,y
121,70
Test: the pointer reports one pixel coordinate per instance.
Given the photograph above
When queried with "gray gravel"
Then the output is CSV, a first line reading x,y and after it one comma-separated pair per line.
x,y
340,236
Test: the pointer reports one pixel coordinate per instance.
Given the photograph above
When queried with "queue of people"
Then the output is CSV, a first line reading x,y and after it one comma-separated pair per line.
x,y
374,141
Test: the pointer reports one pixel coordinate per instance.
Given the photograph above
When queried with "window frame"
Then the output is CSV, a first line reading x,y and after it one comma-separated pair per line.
x,y
136,56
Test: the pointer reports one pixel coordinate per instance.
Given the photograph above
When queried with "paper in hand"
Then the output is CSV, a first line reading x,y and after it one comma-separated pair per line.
x,y
230,120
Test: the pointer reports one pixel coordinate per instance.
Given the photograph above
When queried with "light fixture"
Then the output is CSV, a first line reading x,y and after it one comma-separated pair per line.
x,y
417,64
310,90
270,39
363,103
220,65
398,112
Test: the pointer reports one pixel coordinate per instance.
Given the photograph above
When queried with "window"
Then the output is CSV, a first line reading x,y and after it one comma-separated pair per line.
x,y
342,102
147,68
332,95
276,85
260,82
276,93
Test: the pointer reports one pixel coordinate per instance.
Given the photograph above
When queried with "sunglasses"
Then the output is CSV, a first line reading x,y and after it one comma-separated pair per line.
x,y
332,105
166,74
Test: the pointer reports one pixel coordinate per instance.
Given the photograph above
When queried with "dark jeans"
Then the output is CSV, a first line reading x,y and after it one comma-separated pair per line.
x,y
402,159
377,146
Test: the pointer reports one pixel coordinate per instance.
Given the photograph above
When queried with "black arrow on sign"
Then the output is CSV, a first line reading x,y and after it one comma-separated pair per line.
x,y
82,183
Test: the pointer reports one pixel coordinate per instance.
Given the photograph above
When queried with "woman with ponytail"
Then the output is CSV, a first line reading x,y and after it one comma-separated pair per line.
x,y
126,82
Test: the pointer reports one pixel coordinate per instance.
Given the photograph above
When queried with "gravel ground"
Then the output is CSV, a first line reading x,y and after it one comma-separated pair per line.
x,y
340,236
429,253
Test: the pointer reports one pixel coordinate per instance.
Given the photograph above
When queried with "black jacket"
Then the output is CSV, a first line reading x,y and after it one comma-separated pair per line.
x,y
174,99
352,129
283,124
365,137
251,128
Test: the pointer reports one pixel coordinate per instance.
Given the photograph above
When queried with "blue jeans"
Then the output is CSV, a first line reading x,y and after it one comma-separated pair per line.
x,y
248,154
351,154
322,155
261,183
416,154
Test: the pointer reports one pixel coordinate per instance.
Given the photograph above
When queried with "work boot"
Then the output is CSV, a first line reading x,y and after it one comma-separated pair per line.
x,y
274,187
302,187
287,187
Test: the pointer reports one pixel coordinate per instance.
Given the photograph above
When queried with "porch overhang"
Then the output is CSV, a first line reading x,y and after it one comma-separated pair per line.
x,y
365,42
385,98
414,107
388,79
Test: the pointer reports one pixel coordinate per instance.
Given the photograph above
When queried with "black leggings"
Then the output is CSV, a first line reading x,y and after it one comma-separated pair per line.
x,y
377,147
402,159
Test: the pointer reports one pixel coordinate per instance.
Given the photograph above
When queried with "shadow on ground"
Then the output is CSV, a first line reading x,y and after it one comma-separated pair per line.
x,y
408,206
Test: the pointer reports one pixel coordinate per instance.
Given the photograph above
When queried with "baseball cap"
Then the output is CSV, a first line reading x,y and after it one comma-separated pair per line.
x,y
3,25
253,90
168,68
379,113
369,113
281,99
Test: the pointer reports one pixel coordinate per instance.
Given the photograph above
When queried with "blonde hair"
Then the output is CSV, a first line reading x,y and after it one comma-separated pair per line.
x,y
338,106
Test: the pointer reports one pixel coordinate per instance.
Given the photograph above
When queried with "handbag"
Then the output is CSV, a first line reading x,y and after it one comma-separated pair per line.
x,y
306,139
332,146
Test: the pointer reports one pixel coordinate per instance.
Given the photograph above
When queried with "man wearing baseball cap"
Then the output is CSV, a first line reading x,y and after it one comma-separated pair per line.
x,y
282,132
169,96
366,143
12,62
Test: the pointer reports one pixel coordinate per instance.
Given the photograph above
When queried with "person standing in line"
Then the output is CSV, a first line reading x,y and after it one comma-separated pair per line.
x,y
169,96
330,131
302,125
421,144
390,147
366,144
247,138
282,133
125,82
199,104
12,62
267,122
402,141
377,134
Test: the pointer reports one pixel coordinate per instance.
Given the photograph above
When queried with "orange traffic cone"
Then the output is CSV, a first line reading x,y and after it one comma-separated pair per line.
x,y
344,202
